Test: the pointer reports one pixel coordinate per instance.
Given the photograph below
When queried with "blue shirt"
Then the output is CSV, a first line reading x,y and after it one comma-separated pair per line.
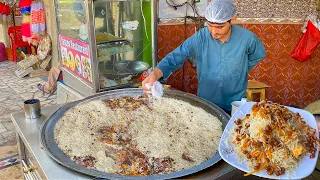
x,y
222,68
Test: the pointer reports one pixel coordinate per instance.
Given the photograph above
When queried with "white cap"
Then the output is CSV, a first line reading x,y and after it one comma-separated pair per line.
x,y
220,11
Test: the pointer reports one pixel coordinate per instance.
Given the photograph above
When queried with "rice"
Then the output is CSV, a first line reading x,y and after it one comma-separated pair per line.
x,y
272,138
171,128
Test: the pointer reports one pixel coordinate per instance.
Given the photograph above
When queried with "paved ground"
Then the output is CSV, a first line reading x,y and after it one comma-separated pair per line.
x,y
13,92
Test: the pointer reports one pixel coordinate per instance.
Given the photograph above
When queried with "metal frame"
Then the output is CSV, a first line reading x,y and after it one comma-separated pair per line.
x,y
92,45
69,77
154,32
79,84
24,155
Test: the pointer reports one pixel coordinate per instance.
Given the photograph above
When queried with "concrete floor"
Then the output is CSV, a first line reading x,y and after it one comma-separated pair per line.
x,y
13,92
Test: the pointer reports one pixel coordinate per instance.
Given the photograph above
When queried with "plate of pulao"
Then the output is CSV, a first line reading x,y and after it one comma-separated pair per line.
x,y
134,136
271,141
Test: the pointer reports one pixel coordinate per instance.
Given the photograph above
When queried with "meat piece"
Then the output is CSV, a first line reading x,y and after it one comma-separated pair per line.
x,y
247,125
269,170
275,142
257,144
124,157
268,130
116,134
124,137
148,104
287,116
112,104
136,152
238,121
312,155
86,161
106,129
147,166
186,156
282,170
111,152
129,103
109,138
257,166
140,167
160,164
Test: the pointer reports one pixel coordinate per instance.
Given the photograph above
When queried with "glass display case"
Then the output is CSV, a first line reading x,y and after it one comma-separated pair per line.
x,y
105,44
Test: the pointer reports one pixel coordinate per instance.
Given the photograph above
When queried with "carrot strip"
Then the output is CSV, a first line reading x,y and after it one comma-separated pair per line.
x,y
245,144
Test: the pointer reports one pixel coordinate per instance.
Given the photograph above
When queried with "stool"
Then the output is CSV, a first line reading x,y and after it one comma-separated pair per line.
x,y
256,87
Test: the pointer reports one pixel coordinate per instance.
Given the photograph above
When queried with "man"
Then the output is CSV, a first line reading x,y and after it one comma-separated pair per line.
x,y
224,54
51,85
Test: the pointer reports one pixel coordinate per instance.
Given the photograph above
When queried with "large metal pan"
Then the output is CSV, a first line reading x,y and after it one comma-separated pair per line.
x,y
50,146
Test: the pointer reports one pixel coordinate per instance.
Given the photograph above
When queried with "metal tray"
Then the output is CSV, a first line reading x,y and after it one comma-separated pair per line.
x,y
121,69
50,146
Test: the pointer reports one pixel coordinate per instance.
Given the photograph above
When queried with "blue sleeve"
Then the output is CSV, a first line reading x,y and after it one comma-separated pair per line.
x,y
256,52
175,59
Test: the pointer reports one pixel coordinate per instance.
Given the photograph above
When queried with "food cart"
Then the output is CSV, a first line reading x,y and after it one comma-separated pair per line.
x,y
105,44
41,161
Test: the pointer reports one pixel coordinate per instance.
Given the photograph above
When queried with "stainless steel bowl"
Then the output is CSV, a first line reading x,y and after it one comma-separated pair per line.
x,y
121,69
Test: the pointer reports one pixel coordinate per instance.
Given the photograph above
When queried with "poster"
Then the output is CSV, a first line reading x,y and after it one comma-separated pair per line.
x,y
76,57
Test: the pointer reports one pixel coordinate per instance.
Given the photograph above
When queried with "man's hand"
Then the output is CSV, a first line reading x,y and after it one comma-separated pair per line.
x,y
153,77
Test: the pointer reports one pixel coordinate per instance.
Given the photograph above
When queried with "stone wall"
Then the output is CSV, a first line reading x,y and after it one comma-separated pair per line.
x,y
298,9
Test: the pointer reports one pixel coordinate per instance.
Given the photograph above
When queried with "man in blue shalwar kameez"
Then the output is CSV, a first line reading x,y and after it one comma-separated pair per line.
x,y
224,53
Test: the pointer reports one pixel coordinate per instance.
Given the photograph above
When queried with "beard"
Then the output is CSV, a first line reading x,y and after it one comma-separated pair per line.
x,y
219,36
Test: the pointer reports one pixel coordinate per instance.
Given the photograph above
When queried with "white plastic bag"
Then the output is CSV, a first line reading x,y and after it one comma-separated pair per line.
x,y
156,89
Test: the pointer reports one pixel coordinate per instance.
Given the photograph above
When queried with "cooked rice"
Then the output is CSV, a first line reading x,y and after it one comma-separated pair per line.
x,y
272,138
171,128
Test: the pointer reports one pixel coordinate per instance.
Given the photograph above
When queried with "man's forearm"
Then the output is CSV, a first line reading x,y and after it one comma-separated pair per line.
x,y
157,73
